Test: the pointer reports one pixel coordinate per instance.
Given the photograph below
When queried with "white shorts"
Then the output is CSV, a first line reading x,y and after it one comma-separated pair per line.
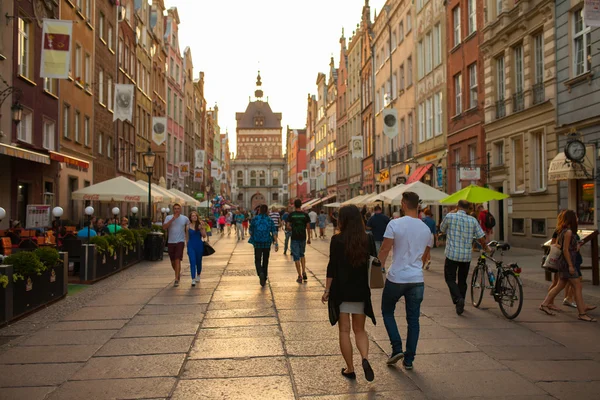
x,y
352,307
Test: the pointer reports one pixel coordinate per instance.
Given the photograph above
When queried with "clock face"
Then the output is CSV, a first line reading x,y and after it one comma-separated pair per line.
x,y
575,151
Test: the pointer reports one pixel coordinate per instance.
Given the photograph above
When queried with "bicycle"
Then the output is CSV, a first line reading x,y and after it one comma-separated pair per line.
x,y
505,286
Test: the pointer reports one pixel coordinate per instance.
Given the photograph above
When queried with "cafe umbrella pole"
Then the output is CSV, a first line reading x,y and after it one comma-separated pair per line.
x,y
89,211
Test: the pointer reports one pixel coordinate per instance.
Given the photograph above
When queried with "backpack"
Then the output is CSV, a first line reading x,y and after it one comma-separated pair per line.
x,y
262,226
490,221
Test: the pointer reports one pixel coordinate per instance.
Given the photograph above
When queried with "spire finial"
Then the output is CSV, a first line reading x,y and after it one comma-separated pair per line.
x,y
258,93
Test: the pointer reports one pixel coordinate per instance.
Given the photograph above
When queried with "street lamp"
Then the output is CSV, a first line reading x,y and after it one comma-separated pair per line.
x,y
163,211
58,212
2,214
134,211
17,112
149,158
115,212
89,211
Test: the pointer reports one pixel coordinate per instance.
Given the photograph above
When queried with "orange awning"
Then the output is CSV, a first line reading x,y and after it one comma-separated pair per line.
x,y
418,174
69,159
18,152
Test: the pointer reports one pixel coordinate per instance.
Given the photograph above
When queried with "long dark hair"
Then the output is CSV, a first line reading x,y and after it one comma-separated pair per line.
x,y
569,221
197,223
352,232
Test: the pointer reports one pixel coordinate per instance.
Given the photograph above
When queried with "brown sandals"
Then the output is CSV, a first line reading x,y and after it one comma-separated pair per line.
x,y
586,318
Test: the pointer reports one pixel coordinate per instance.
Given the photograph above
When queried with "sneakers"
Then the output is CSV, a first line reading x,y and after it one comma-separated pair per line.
x,y
263,279
176,283
569,304
299,280
395,358
407,365
194,282
460,306
304,276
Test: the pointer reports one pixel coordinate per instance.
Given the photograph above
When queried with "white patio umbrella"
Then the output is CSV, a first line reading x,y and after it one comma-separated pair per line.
x,y
116,189
190,201
372,198
168,197
355,200
333,205
426,193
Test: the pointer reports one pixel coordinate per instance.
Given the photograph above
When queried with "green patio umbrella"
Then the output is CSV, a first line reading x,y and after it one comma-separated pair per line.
x,y
474,194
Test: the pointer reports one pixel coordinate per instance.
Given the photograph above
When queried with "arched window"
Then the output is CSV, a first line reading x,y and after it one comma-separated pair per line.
x,y
240,174
275,182
240,197
275,174
252,174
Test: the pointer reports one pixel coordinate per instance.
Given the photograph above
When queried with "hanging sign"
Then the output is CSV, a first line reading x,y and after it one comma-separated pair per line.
x,y
469,174
356,144
159,129
123,102
184,169
199,158
56,49
591,12
198,175
38,216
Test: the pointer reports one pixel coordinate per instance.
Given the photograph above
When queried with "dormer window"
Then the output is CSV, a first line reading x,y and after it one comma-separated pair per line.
x,y
259,120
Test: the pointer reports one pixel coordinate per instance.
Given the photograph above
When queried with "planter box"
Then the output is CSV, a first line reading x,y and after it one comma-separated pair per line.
x,y
131,257
153,246
98,265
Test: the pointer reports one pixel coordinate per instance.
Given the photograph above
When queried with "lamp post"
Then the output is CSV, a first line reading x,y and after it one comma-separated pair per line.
x,y
57,212
2,214
115,212
163,211
149,158
89,211
134,211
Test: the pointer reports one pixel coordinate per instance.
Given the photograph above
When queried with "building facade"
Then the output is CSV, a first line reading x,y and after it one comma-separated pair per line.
x,y
520,118
367,109
342,139
353,103
297,158
331,133
259,164
311,143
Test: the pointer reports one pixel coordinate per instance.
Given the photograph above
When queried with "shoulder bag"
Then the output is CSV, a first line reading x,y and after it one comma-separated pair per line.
x,y
376,271
208,250
554,258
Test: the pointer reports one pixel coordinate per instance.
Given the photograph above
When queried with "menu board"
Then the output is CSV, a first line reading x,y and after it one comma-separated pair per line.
x,y
38,216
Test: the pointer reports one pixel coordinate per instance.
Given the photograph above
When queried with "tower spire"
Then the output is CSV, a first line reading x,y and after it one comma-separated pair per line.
x,y
258,93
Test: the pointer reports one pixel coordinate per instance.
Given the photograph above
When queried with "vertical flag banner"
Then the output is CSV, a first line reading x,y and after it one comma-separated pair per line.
x,y
223,176
356,146
300,179
184,169
199,159
305,174
123,102
214,170
322,168
198,175
159,129
312,171
591,12
56,48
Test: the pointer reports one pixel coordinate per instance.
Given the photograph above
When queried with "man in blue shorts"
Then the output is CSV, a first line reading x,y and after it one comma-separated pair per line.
x,y
299,223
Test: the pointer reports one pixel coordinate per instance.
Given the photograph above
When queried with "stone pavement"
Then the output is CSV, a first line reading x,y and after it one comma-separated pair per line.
x,y
231,339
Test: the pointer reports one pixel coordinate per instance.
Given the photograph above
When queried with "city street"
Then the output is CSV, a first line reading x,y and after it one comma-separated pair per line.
x,y
135,336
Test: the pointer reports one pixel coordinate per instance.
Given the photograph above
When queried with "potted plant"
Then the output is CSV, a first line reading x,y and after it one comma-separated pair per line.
x,y
128,242
52,281
28,270
104,255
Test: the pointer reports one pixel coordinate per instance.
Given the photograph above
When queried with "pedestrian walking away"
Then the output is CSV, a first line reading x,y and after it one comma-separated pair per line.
x,y
313,223
262,236
299,224
228,222
288,232
175,226
275,217
322,224
430,222
334,220
460,229
239,225
347,289
411,240
377,225
195,232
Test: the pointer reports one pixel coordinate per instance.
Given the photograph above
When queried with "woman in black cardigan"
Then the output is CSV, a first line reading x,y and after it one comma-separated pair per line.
x,y
347,291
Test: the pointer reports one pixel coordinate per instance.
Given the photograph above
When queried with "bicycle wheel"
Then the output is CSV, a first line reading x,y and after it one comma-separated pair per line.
x,y
510,294
478,285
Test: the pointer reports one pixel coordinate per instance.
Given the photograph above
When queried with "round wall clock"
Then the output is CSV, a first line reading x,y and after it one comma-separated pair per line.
x,y
575,150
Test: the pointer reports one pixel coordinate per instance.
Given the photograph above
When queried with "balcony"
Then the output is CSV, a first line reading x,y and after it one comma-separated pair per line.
x,y
500,109
538,93
518,102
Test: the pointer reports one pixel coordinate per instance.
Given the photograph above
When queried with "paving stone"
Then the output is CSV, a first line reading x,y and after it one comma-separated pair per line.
x,y
269,387
426,332
233,305
101,313
305,315
240,332
321,376
372,395
503,337
153,309
309,330
230,322
37,374
572,390
111,389
88,325
28,393
442,346
241,313
166,319
174,329
465,384
48,354
179,300
456,362
49,338
230,368
146,345
131,367
236,348
324,347
456,322
565,370
533,353
124,297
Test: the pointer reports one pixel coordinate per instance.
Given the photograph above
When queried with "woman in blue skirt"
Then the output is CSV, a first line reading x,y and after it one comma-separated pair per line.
x,y
196,230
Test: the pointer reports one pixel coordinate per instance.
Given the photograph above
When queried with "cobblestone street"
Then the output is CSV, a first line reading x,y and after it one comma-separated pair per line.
x,y
228,338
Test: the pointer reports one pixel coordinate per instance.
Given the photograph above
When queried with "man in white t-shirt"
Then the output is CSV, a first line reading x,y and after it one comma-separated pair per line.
x,y
411,240
175,226
313,222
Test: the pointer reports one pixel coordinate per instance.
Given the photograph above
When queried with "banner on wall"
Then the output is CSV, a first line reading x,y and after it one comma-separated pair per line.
x,y
214,170
591,12
312,170
199,159
198,175
356,146
321,168
123,102
56,49
184,169
159,129
300,179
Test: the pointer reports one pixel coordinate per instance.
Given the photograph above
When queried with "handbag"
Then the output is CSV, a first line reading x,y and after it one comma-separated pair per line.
x,y
554,258
208,250
376,272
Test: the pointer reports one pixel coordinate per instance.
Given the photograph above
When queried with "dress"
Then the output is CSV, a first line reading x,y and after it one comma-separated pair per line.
x,y
195,250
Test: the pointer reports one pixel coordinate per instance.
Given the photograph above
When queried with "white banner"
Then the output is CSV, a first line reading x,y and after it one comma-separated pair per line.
x,y
300,179
198,175
215,171
312,170
159,130
591,12
184,169
123,102
356,146
199,158
56,50
469,174
322,168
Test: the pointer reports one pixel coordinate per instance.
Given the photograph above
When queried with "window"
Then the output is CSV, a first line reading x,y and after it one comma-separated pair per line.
x,y
538,161
408,22
402,77
458,94
76,126
401,33
24,129
410,129
518,164
421,122
473,85
402,133
438,111
101,87
100,143
109,38
175,107
377,101
456,155
428,118
109,94
498,7
538,45
500,78
456,19
51,85
582,44
428,53
88,72
109,147
49,132
498,154
394,86
101,26
394,43
472,8
519,72
169,102
24,56
420,60
586,193
86,131
472,155
538,226
77,60
66,112
437,45
88,9
180,112
518,226
409,72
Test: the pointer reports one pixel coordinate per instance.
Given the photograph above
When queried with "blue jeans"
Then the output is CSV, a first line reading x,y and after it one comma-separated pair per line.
x,y
298,249
378,245
413,297
195,254
288,236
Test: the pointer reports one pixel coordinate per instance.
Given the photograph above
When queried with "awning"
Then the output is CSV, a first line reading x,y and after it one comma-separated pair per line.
x,y
29,155
419,173
116,189
562,169
309,203
69,159
190,201
168,197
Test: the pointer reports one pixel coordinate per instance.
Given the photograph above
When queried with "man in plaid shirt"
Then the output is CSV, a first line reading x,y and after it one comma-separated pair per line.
x,y
460,229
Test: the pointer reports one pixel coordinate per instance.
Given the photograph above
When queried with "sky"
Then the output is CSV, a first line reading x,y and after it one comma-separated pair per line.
x,y
289,41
